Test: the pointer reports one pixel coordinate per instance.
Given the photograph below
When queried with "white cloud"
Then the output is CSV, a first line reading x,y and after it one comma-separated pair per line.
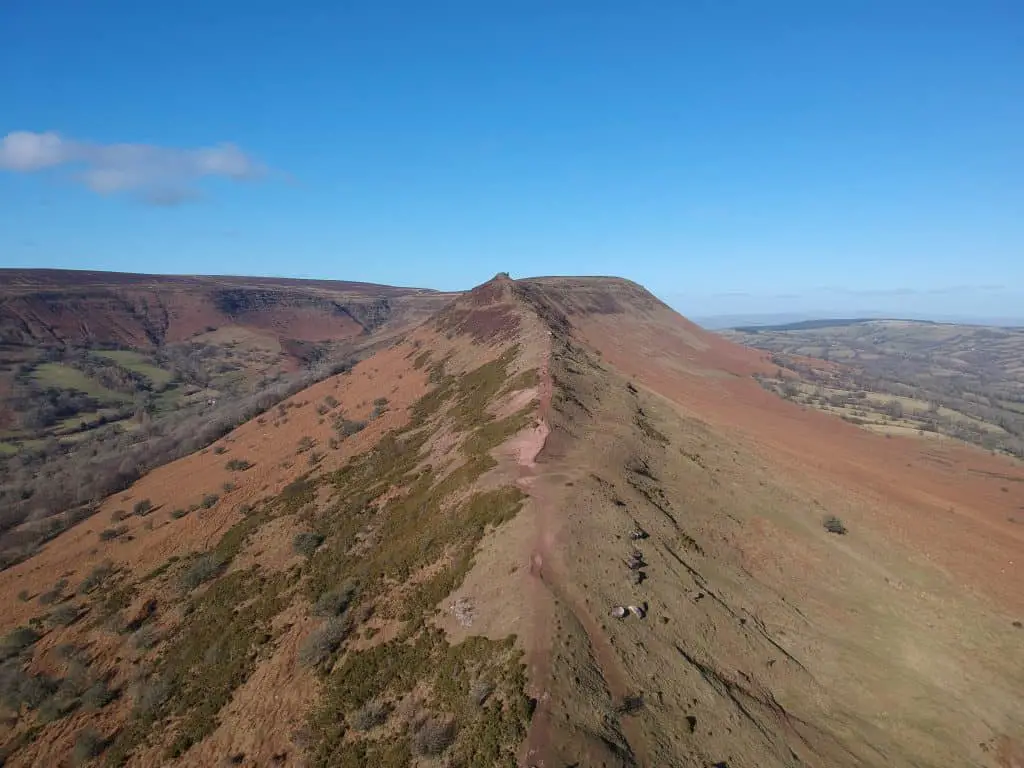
x,y
157,175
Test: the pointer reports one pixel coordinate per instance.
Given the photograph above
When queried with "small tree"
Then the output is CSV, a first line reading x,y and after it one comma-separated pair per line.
x,y
834,525
142,507
307,542
432,737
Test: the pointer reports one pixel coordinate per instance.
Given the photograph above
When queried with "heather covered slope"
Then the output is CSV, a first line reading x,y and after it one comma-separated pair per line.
x,y
273,599
416,562
768,641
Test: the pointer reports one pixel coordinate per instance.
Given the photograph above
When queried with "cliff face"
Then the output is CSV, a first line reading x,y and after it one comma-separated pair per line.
x,y
138,311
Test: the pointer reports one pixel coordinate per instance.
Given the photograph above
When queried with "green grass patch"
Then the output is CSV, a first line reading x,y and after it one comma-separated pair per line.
x,y
135,361
63,376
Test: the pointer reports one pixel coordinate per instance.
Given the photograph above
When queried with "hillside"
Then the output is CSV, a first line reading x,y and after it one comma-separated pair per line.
x,y
104,376
418,562
110,308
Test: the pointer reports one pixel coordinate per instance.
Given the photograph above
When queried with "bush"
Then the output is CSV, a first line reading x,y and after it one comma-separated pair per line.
x,y
24,595
370,716
317,649
348,428
18,688
834,525
142,508
96,577
53,595
17,640
306,543
432,737
109,534
480,691
209,500
88,746
237,465
149,696
380,402
202,569
179,513
118,515
335,602
144,638
98,695
228,487
305,444
63,616
219,450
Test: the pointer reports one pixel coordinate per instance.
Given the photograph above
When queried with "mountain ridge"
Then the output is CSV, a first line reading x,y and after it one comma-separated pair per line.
x,y
484,516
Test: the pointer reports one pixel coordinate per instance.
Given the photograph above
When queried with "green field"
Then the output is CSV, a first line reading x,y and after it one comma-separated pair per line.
x,y
135,361
65,377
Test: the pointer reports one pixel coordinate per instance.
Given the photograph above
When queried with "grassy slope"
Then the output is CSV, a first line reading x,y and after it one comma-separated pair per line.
x,y
418,676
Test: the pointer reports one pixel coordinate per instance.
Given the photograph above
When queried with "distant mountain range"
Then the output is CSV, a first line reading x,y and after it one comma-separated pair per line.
x,y
721,322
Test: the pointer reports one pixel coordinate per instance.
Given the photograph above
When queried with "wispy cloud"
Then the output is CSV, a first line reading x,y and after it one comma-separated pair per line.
x,y
156,175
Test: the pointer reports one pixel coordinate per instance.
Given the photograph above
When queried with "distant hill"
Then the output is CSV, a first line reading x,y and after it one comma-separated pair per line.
x,y
777,320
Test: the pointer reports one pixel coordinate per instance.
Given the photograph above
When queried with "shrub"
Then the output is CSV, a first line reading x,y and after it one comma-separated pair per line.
x,y
96,577
237,465
330,401
432,737
307,542
53,595
144,638
370,716
380,402
142,507
228,487
209,500
480,691
108,534
63,616
24,595
323,641
219,450
17,640
179,513
335,602
57,707
118,515
18,688
149,696
88,746
834,525
202,569
348,428
98,695
305,444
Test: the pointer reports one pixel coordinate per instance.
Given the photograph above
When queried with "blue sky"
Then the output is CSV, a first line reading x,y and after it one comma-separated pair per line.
x,y
732,155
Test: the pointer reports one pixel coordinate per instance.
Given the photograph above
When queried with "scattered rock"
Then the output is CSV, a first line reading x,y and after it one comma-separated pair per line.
x,y
463,611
